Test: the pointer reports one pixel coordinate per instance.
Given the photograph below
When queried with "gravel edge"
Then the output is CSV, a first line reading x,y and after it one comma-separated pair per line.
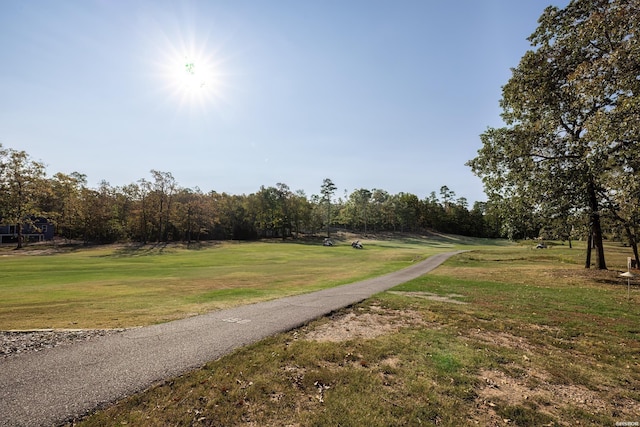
x,y
16,343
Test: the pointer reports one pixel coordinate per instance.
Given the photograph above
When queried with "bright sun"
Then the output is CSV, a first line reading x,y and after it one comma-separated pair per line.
x,y
193,79
187,69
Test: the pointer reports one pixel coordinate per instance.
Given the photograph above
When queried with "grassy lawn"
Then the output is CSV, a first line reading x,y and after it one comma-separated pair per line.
x,y
497,336
123,286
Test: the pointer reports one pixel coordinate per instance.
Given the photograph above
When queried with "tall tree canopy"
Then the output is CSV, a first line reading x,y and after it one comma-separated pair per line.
x,y
572,113
159,210
327,190
21,189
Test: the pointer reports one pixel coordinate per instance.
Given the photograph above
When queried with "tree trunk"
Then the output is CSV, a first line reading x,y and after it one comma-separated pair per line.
x,y
596,227
328,220
632,242
598,244
160,218
587,262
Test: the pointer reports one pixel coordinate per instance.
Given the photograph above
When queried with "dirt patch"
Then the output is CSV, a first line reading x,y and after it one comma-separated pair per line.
x,y
525,385
503,339
351,325
432,297
532,390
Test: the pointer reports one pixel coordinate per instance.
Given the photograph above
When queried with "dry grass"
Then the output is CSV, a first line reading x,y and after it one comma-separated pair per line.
x,y
540,341
131,285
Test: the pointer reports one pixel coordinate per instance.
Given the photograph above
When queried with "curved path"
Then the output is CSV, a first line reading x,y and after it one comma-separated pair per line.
x,y
53,386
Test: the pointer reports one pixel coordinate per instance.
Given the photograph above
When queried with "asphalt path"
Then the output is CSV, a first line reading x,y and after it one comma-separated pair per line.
x,y
56,385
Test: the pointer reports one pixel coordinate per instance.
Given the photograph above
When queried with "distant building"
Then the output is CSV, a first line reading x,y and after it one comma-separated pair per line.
x,y
37,230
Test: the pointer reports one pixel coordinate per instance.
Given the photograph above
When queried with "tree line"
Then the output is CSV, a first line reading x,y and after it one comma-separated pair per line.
x,y
158,209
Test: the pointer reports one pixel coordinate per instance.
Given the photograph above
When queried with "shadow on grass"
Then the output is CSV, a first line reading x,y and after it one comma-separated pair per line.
x,y
436,237
339,238
157,248
42,248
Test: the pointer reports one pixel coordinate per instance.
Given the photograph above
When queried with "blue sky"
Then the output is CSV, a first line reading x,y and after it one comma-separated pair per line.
x,y
232,95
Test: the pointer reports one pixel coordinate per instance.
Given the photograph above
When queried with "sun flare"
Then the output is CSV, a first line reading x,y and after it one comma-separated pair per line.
x,y
189,74
192,78
189,65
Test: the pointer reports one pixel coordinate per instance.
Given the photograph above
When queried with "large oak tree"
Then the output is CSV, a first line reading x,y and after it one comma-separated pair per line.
x,y
571,109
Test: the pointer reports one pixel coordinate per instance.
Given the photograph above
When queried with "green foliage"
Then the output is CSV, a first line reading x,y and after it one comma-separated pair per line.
x,y
21,190
159,210
570,136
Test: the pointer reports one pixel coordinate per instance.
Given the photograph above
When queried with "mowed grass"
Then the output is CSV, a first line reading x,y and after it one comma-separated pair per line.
x,y
125,286
497,336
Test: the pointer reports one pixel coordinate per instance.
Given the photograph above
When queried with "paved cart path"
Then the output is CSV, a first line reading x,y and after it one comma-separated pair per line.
x,y
55,385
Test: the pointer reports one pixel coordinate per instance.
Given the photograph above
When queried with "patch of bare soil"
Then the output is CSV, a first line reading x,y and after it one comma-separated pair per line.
x,y
432,297
534,391
360,324
503,339
533,388
350,325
